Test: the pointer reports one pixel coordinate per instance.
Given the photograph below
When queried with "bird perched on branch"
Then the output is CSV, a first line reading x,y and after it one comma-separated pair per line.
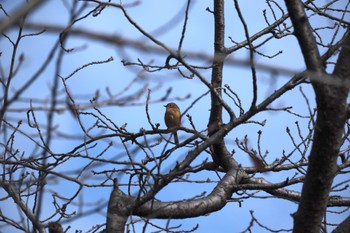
x,y
172,118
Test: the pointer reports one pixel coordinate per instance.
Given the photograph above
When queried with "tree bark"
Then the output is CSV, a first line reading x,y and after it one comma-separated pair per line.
x,y
215,201
119,209
220,154
343,227
331,118
331,93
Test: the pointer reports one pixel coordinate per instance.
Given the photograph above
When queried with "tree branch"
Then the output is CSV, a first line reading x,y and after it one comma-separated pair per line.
x,y
303,32
331,117
343,227
219,151
17,199
29,7
215,201
119,209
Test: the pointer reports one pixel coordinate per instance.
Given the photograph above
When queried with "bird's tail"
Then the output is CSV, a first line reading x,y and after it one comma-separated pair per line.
x,y
176,138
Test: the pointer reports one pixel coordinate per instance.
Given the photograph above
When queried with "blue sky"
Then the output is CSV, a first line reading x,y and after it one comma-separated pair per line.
x,y
152,15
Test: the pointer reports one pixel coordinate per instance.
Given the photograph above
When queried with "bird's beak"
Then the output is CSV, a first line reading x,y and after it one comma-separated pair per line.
x,y
164,105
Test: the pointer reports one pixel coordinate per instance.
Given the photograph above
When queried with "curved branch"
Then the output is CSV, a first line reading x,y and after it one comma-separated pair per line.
x,y
216,200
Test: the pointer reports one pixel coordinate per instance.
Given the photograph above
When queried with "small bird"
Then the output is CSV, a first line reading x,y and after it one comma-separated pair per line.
x,y
172,118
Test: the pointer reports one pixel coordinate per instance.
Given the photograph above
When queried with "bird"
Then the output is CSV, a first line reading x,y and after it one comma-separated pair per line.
x,y
172,118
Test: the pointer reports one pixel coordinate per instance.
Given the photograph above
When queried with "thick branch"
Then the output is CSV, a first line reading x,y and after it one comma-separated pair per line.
x,y
119,209
303,32
343,227
219,151
215,119
331,105
216,200
278,190
331,117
